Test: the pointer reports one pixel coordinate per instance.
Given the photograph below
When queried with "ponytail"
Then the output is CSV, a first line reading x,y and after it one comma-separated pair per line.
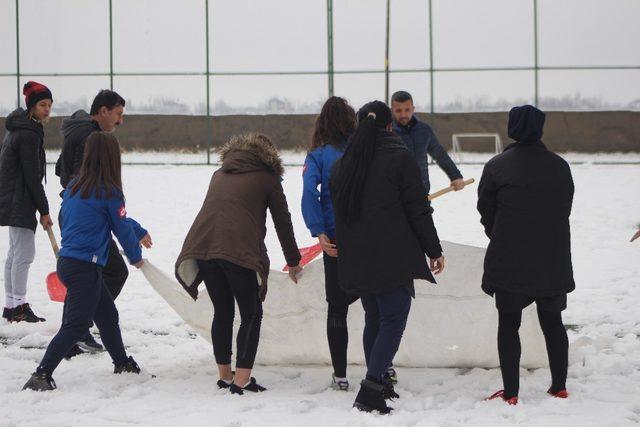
x,y
351,174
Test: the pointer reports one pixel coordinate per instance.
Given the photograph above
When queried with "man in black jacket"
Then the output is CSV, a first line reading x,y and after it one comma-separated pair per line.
x,y
524,199
107,113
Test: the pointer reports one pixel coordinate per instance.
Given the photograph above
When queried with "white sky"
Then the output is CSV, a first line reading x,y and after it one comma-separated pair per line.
x,y
290,35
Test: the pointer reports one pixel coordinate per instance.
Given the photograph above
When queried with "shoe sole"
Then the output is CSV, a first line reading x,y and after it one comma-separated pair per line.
x,y
25,320
39,390
89,349
71,356
368,409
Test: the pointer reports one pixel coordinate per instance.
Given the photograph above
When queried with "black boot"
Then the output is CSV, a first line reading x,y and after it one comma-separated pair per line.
x,y
130,366
371,397
23,313
253,386
40,381
389,391
7,313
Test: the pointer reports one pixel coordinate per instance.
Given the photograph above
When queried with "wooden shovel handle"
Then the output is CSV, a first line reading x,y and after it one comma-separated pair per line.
x,y
52,239
448,190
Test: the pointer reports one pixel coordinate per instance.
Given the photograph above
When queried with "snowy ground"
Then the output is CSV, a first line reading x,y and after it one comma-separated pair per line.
x,y
604,313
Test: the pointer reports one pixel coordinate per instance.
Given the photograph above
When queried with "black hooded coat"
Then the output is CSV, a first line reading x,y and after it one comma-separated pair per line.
x,y
524,199
22,168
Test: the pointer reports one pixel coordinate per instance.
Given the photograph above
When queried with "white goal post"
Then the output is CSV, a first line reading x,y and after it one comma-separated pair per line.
x,y
455,138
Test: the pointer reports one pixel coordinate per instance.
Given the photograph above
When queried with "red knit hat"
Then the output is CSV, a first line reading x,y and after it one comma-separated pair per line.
x,y
34,92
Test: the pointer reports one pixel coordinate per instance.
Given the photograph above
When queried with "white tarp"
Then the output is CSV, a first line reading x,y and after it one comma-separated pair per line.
x,y
452,324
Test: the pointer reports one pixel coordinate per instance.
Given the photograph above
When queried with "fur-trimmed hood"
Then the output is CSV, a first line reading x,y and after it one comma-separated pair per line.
x,y
250,152
231,224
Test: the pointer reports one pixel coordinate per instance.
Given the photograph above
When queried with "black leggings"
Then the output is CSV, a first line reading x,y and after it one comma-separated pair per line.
x,y
509,349
337,332
228,283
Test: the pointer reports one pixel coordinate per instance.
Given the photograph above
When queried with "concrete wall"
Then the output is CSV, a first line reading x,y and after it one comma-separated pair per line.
x,y
607,131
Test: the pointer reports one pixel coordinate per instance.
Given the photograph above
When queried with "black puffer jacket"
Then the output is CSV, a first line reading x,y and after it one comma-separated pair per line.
x,y
75,131
385,248
525,198
22,168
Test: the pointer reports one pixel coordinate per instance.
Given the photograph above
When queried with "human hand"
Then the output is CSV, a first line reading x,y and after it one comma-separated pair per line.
x,y
327,246
293,273
437,265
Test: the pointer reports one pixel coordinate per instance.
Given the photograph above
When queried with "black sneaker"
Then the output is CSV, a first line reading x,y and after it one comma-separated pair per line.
x,y
253,386
23,313
130,366
40,381
73,352
222,384
371,397
7,313
90,345
340,384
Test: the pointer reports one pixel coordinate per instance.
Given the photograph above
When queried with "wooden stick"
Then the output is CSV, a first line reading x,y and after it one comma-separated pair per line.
x,y
52,239
448,190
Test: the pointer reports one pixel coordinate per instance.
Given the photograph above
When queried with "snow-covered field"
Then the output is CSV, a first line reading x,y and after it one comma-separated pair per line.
x,y
604,314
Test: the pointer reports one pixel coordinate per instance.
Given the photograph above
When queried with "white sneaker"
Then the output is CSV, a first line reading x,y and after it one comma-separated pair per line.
x,y
340,384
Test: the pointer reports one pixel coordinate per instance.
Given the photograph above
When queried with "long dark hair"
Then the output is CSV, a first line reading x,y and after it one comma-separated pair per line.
x,y
351,174
336,122
101,167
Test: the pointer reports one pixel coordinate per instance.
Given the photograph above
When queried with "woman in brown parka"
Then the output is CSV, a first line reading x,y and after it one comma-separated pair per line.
x,y
225,249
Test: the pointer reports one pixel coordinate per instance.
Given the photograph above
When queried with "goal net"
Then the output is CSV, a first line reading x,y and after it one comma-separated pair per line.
x,y
457,137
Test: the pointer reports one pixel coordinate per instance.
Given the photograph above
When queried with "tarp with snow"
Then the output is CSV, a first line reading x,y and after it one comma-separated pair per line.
x,y
452,324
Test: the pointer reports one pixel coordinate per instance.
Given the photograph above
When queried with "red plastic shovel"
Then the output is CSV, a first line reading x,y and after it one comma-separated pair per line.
x,y
307,255
56,289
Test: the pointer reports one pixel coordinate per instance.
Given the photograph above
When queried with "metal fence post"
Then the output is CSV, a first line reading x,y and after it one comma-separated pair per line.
x,y
207,76
111,44
386,56
536,67
330,45
18,92
431,89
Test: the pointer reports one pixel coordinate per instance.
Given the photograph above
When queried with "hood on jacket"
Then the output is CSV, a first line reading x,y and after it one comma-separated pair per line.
x,y
526,124
18,120
386,140
78,120
250,152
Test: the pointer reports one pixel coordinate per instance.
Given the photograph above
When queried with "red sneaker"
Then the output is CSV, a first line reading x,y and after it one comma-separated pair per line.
x,y
500,394
562,394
